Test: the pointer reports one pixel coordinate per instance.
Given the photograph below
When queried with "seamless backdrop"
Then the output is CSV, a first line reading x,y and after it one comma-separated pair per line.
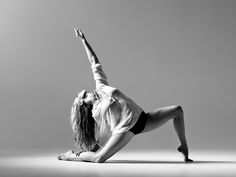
x,y
159,53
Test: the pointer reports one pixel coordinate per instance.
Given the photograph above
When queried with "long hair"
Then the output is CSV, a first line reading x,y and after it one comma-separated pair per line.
x,y
83,125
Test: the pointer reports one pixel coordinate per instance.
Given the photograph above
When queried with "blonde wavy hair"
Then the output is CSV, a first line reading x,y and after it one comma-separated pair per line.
x,y
83,124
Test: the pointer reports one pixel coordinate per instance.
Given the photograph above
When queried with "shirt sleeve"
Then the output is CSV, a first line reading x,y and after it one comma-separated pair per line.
x,y
99,75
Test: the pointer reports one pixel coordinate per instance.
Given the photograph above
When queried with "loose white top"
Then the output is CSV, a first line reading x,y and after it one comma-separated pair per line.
x,y
113,112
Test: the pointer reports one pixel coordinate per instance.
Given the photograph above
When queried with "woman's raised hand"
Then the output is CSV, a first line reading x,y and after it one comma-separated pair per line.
x,y
79,33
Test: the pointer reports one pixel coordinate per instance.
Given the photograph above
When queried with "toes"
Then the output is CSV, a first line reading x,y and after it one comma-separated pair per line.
x,y
188,160
184,151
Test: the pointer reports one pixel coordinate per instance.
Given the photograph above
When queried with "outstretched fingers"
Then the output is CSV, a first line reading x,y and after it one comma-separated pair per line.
x,y
79,33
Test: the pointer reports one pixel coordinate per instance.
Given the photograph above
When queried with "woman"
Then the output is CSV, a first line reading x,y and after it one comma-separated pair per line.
x,y
106,120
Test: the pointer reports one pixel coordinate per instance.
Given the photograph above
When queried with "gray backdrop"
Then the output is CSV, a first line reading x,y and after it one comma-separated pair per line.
x,y
159,53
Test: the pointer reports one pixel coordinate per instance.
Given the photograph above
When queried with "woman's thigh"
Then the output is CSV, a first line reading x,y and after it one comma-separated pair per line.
x,y
160,116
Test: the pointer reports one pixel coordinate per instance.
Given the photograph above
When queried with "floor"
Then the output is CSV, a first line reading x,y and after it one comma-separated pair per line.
x,y
32,163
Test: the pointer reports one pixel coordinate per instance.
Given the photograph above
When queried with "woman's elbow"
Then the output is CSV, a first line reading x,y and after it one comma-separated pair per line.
x,y
99,159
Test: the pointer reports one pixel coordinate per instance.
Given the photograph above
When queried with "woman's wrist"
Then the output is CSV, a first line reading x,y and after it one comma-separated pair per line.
x,y
83,39
78,153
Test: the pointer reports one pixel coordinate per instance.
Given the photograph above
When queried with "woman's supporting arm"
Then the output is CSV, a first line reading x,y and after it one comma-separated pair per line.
x,y
114,144
90,53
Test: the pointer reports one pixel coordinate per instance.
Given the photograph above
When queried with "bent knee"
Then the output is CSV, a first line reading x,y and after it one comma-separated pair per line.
x,y
178,109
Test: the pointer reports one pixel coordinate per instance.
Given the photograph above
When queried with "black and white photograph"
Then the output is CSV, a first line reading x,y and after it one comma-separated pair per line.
x,y
117,88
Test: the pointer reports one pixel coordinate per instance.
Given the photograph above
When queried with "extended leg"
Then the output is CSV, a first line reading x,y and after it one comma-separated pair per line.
x,y
160,116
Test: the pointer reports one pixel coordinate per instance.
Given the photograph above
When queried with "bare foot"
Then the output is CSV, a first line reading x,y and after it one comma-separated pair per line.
x,y
184,151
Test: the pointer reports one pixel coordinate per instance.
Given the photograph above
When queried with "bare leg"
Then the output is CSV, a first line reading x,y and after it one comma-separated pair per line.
x,y
160,116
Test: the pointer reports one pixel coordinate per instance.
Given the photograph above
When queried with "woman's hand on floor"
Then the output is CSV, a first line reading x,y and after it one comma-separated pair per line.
x,y
69,155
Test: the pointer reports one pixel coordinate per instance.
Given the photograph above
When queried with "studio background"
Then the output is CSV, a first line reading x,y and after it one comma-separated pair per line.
x,y
159,53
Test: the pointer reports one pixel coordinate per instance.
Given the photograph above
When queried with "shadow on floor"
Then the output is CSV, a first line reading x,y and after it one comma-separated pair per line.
x,y
168,162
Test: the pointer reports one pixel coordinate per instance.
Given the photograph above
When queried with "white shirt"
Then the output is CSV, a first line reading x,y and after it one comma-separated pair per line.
x,y
113,112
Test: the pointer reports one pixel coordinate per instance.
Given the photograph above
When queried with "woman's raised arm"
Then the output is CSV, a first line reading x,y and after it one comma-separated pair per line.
x,y
99,75
91,54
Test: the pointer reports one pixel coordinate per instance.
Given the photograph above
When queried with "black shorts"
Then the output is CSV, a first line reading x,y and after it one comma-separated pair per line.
x,y
140,124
